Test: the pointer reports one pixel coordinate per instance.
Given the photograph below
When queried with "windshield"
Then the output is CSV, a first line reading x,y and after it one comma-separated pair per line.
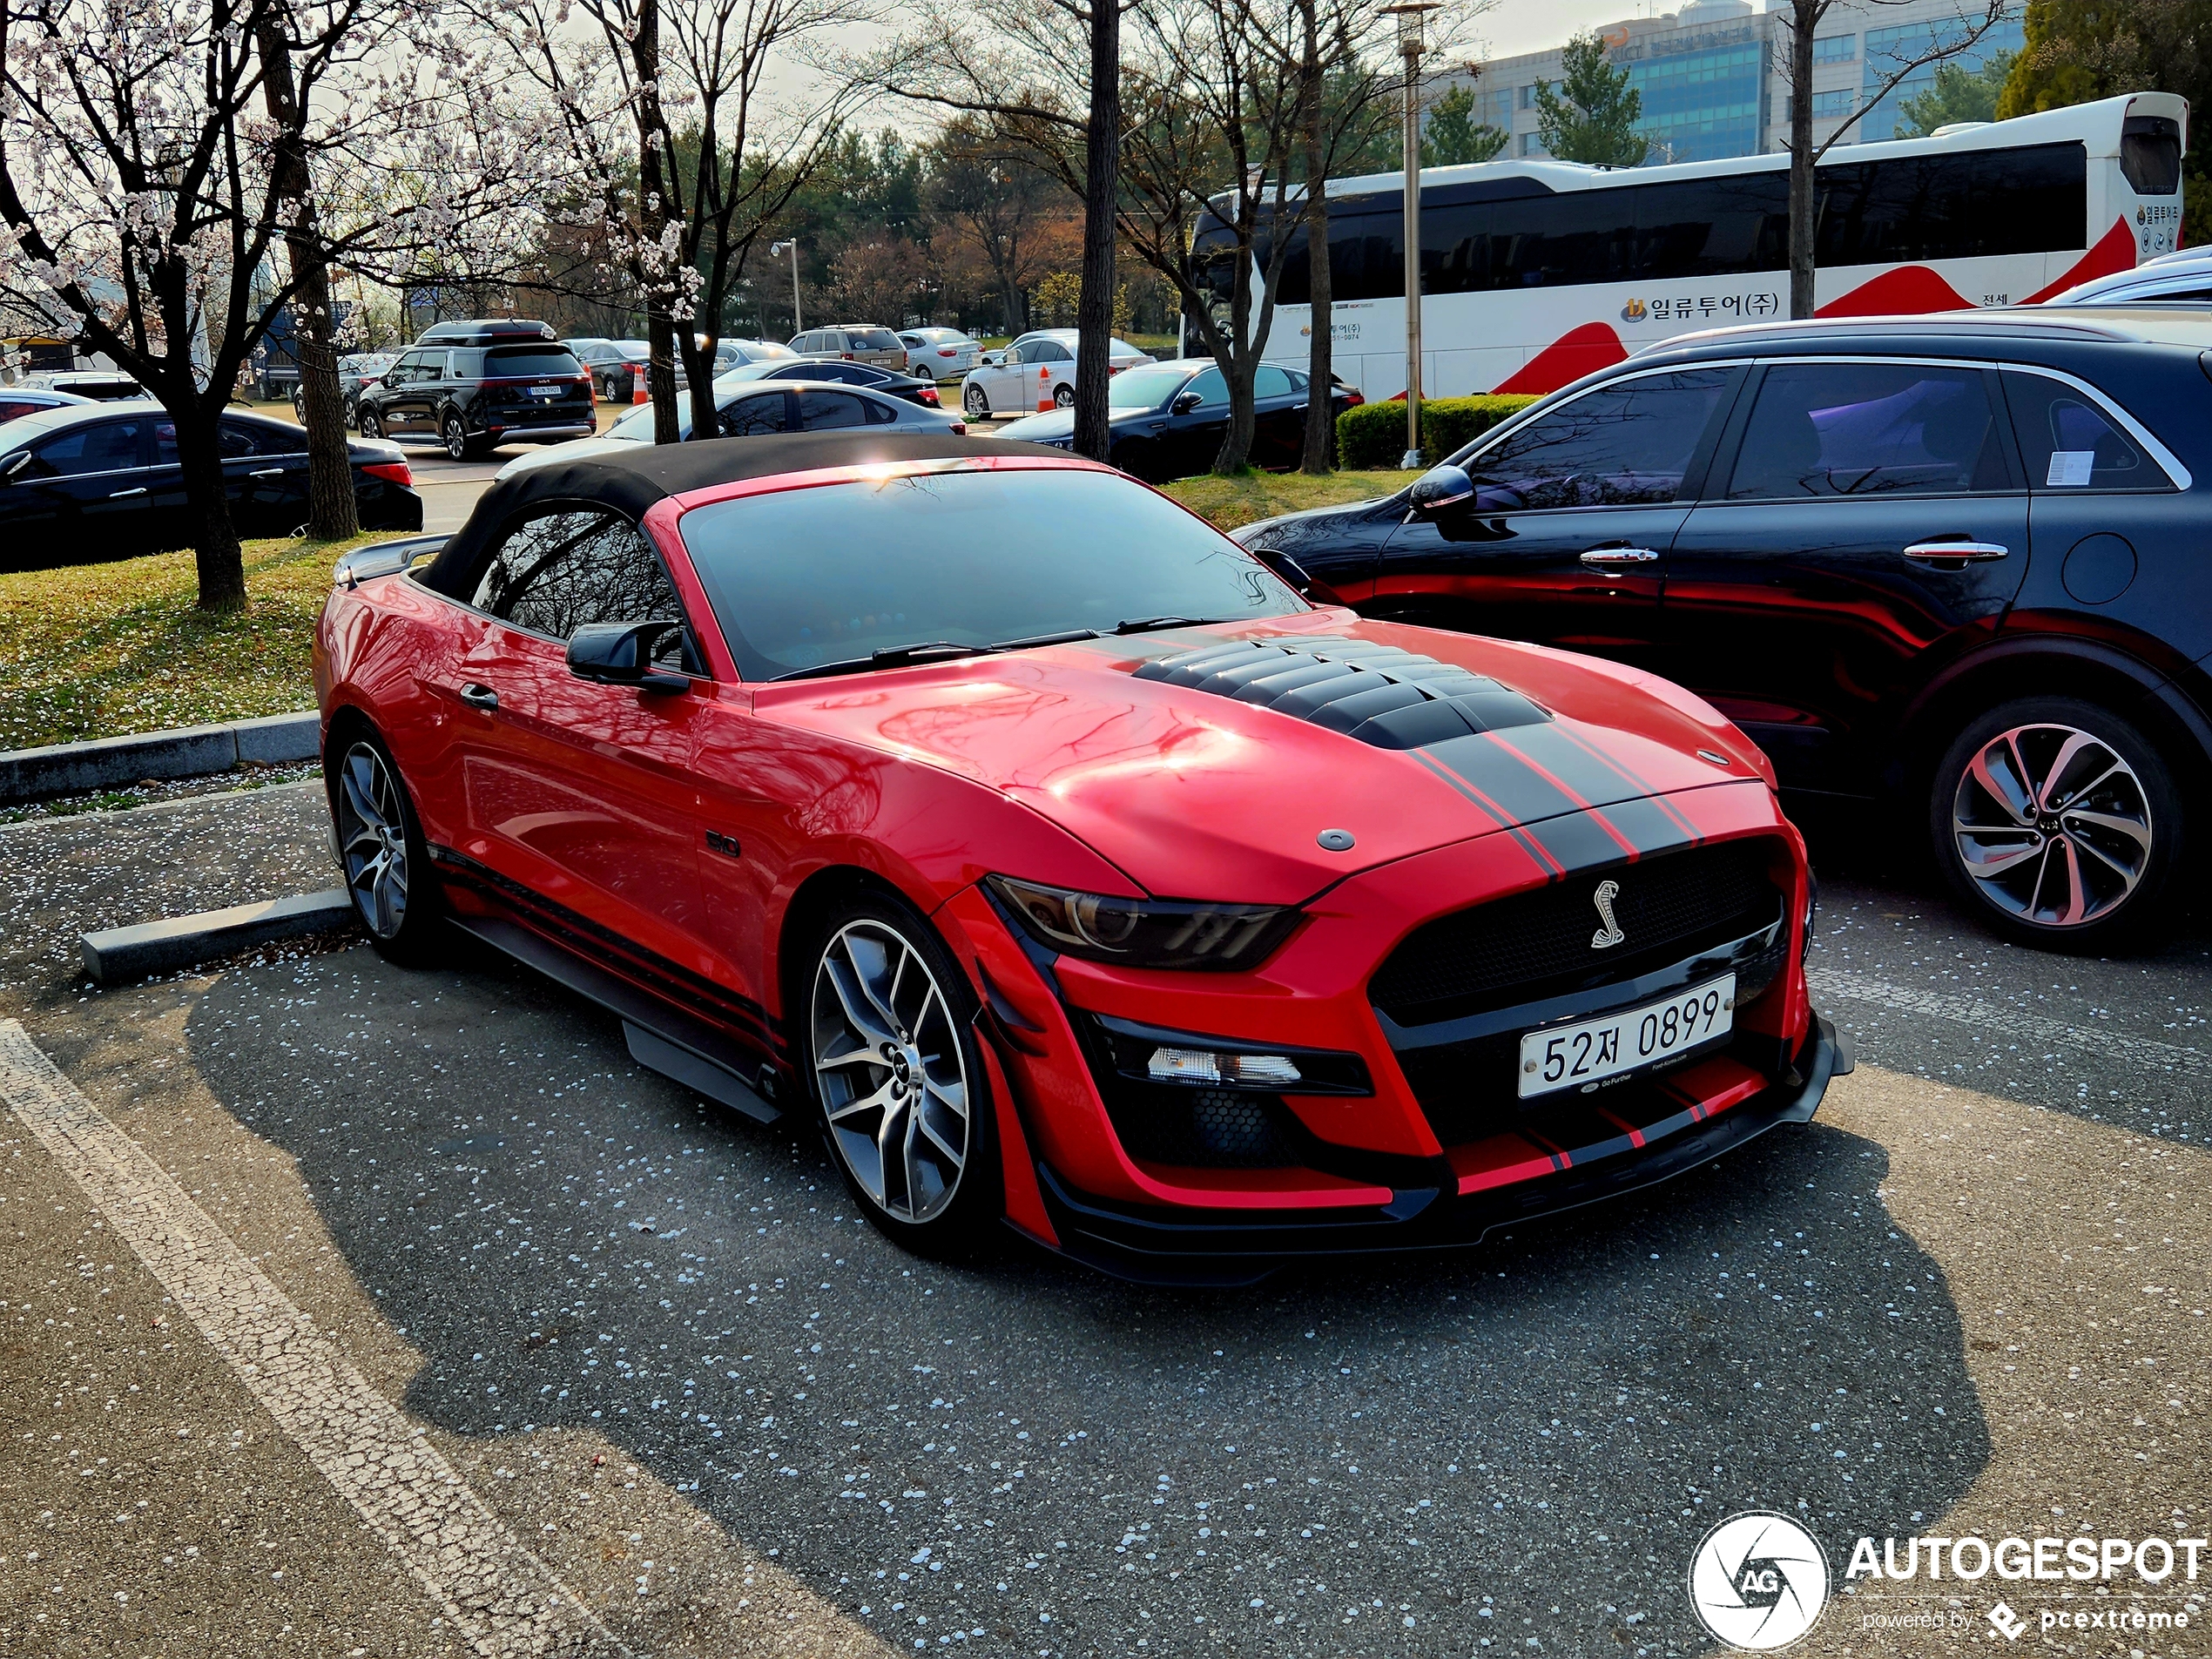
x,y
805,577
1144,389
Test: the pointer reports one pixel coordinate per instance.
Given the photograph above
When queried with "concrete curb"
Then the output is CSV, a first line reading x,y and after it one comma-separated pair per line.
x,y
123,956
192,752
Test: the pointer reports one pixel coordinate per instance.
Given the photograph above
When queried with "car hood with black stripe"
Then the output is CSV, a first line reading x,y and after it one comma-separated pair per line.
x,y
1206,762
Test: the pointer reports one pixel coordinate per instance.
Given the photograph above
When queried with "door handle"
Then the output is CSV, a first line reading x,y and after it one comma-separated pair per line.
x,y
267,472
1605,555
1954,552
121,495
479,697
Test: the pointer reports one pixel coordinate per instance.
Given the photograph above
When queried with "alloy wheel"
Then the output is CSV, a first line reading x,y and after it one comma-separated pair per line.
x,y
372,839
457,440
370,426
978,406
891,1072
1064,395
2052,825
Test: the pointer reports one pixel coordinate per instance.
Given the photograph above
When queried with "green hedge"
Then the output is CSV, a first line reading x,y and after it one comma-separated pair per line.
x,y
1374,434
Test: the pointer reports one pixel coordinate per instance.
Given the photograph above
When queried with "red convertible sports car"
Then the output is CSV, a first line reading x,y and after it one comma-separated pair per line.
x,y
1060,862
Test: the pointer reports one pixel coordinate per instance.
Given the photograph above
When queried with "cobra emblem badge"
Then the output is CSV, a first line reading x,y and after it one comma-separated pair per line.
x,y
1609,935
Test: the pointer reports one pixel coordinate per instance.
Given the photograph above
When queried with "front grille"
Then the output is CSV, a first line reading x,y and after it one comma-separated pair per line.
x,y
1539,944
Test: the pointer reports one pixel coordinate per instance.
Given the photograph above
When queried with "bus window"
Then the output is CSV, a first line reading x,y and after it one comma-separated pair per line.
x,y
1954,206
2150,154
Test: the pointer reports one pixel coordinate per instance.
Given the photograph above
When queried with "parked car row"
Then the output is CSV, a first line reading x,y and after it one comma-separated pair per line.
x,y
1169,420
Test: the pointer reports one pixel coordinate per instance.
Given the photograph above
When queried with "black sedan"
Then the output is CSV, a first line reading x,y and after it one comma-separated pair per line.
x,y
909,387
84,484
1955,562
1168,419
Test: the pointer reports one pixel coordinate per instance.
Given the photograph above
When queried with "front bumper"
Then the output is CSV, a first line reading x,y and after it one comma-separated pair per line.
x,y
1150,1244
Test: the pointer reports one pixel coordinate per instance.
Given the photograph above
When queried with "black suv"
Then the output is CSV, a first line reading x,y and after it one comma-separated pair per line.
x,y
1956,561
474,386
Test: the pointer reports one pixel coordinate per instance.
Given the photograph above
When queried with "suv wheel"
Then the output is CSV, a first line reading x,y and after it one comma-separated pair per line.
x,y
890,1059
2058,823
457,440
371,425
978,406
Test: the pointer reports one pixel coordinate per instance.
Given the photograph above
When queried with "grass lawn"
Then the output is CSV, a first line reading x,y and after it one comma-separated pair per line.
x,y
96,650
1232,501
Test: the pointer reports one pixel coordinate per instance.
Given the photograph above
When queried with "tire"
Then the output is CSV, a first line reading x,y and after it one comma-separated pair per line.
x,y
977,405
884,1003
1063,396
380,849
371,424
2059,824
455,437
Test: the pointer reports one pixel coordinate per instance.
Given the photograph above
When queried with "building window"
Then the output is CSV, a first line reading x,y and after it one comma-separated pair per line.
x,y
1832,106
1889,48
1835,49
1528,97
1531,145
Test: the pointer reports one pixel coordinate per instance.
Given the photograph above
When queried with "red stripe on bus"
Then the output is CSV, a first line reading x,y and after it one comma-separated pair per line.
x,y
2116,252
1575,353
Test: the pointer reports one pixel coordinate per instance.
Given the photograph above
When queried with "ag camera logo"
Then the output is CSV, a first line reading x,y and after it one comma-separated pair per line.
x,y
1758,1582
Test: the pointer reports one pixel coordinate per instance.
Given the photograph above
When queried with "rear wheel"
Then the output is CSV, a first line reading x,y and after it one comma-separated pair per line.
x,y
371,424
455,438
892,1062
1064,396
977,405
380,844
2060,823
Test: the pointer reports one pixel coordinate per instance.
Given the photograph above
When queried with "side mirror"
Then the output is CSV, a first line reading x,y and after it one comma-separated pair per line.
x,y
1184,403
14,464
1438,487
620,653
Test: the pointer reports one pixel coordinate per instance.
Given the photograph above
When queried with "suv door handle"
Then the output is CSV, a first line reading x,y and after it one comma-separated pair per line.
x,y
479,697
1602,556
1954,552
121,495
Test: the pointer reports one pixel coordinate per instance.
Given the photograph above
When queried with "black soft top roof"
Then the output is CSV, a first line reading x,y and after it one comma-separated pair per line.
x,y
632,484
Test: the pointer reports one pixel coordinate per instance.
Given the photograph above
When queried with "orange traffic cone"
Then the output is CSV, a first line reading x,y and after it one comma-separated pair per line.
x,y
1044,389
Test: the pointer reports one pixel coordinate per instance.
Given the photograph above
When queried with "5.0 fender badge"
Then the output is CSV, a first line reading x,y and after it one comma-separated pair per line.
x,y
1609,935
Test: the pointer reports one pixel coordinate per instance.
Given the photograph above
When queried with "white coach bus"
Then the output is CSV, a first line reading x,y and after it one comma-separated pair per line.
x,y
1535,273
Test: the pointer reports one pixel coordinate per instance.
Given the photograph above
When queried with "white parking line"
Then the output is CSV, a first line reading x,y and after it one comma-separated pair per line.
x,y
1994,1019
503,1599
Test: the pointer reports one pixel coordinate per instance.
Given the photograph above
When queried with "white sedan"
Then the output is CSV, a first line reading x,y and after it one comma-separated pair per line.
x,y
1036,372
939,354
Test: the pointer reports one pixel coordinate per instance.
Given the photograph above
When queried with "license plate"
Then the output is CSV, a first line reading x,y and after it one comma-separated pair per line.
x,y
1582,1056
545,391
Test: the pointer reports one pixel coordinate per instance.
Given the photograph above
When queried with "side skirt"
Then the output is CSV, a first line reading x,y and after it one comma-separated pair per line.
x,y
664,1039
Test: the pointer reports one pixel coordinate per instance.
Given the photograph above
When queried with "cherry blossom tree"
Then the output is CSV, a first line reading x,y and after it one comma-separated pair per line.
x,y
150,165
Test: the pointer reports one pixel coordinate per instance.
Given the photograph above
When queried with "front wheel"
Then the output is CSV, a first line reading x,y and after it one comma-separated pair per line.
x,y
977,405
371,424
380,845
892,1062
2058,823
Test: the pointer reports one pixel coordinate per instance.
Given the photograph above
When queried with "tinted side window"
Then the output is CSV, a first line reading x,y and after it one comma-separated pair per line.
x,y
1209,387
1271,382
110,446
821,411
246,438
1954,208
2067,442
1628,442
560,571
879,412
1051,351
1868,429
749,417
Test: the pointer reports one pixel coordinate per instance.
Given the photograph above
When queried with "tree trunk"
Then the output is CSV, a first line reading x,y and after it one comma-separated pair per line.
x,y
1237,444
1804,17
652,219
1101,176
221,562
698,366
1320,406
333,514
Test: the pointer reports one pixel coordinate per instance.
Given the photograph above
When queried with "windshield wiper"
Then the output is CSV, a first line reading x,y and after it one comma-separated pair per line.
x,y
891,657
933,651
1146,625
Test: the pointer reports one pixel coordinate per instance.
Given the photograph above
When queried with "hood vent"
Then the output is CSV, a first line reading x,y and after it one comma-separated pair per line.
x,y
1378,694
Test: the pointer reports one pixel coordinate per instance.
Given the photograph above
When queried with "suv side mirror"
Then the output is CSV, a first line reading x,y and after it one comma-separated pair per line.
x,y
1438,487
620,653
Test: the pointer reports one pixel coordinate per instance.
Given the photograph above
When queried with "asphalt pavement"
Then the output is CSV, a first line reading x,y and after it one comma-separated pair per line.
x,y
686,1386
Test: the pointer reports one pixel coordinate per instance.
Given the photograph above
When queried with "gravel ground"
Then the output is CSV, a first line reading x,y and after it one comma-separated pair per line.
x,y
545,1255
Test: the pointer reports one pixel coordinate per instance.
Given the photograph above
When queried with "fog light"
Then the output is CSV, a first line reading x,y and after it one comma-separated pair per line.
x,y
1204,1066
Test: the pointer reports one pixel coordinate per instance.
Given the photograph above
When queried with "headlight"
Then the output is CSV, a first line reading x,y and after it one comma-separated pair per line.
x,y
1146,933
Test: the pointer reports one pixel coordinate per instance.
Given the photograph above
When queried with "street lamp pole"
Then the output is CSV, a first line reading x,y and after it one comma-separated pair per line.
x,y
774,248
1409,14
